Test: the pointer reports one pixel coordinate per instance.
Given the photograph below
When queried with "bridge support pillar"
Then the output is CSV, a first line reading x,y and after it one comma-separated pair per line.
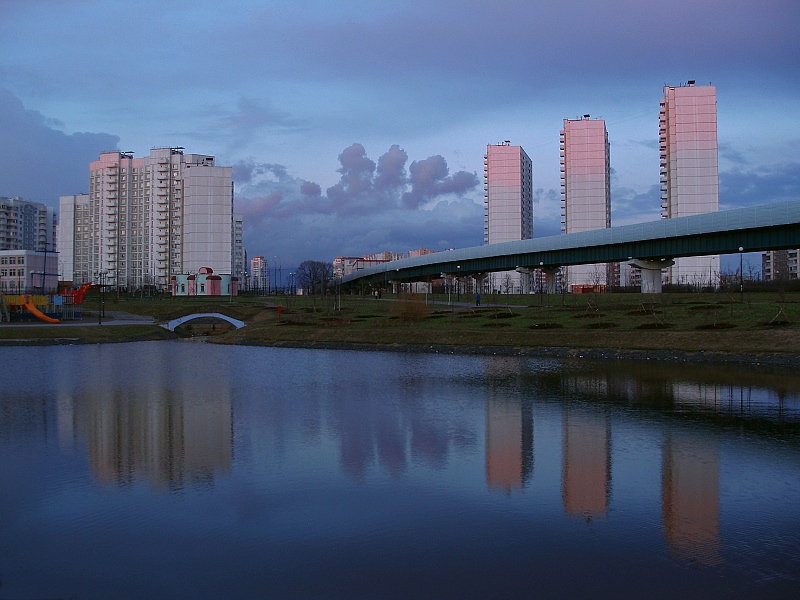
x,y
651,273
526,280
480,281
550,279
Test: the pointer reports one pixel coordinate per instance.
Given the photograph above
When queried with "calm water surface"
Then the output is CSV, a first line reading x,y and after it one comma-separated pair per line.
x,y
188,470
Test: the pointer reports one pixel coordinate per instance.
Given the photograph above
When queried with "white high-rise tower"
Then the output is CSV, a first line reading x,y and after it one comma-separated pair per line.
x,y
690,169
585,189
508,206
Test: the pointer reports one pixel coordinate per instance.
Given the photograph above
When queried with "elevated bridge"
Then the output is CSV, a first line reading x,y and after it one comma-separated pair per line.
x,y
650,246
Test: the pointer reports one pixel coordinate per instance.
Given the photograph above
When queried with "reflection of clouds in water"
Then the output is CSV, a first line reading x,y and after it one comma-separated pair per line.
x,y
389,423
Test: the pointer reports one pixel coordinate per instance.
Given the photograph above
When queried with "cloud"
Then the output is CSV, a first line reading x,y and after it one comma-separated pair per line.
x,y
37,161
763,185
429,179
546,212
373,207
251,117
733,155
631,206
238,127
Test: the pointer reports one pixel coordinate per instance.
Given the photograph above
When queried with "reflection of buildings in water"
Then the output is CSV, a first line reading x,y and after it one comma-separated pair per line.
x,y
736,393
171,438
65,421
586,484
690,496
509,443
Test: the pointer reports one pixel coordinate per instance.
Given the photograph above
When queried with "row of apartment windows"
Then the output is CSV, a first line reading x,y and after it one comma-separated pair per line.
x,y
12,260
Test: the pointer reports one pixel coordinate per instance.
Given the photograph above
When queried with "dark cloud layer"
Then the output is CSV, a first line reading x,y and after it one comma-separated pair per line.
x,y
763,185
474,53
41,163
373,207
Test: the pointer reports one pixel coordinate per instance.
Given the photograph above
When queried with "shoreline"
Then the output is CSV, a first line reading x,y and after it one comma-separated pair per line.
x,y
771,361
760,358
781,362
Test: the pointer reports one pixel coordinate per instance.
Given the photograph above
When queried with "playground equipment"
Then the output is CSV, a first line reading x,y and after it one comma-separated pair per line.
x,y
27,302
16,305
63,305
79,294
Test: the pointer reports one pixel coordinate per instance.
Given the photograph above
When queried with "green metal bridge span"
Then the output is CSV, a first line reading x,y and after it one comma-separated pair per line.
x,y
752,229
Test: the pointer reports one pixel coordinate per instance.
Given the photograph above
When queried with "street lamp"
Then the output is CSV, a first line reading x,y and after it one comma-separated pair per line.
x,y
741,277
100,300
279,280
458,283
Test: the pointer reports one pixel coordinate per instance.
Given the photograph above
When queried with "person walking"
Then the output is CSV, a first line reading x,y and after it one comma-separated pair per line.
x,y
478,299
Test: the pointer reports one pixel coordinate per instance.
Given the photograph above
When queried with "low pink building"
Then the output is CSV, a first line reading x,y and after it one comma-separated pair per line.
x,y
205,283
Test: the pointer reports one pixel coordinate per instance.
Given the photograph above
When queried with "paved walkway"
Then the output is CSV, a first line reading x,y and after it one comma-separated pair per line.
x,y
113,317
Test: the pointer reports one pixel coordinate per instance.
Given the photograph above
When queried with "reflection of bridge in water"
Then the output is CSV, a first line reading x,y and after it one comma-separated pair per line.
x,y
648,246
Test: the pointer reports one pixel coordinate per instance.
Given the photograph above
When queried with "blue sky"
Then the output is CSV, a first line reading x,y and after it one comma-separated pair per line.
x,y
360,126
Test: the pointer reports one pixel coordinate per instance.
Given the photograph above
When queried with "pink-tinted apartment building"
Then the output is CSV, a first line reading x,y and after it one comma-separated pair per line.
x,y
148,219
585,189
690,169
508,206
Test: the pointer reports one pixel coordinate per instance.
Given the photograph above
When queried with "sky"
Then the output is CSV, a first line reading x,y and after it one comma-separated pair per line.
x,y
355,127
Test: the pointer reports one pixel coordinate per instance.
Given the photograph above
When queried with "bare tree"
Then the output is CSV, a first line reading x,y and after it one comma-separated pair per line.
x,y
314,276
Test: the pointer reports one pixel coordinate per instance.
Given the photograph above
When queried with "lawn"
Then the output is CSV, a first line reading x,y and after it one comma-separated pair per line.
x,y
765,322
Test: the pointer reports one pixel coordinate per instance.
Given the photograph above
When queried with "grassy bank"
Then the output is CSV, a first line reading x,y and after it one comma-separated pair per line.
x,y
767,323
81,334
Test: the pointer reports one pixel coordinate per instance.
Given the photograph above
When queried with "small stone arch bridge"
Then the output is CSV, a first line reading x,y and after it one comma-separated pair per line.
x,y
181,320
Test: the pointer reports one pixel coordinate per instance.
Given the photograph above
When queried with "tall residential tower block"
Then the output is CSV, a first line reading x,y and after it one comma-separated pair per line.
x,y
585,190
26,225
148,219
508,206
690,169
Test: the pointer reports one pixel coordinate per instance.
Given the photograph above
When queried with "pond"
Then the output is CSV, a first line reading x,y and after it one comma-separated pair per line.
x,y
185,469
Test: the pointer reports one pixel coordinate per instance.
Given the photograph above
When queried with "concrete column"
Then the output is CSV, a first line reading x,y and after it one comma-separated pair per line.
x,y
550,278
480,280
651,273
525,278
